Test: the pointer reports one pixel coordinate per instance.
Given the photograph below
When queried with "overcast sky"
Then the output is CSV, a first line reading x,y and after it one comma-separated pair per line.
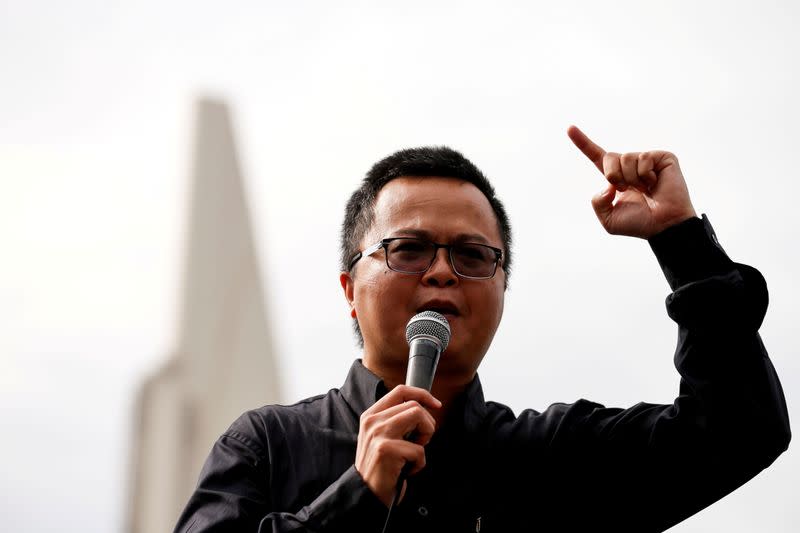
x,y
96,102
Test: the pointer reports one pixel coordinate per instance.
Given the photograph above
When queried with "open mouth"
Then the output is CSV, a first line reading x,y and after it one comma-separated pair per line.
x,y
445,309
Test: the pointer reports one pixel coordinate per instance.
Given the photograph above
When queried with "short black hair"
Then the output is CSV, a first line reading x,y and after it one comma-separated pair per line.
x,y
426,161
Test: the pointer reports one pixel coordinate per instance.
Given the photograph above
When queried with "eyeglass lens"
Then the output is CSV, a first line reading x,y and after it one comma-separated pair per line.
x,y
417,255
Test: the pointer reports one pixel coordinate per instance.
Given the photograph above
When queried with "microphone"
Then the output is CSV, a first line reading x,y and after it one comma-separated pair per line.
x,y
428,334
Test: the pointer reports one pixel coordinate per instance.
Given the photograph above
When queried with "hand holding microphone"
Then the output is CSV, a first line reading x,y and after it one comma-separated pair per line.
x,y
383,451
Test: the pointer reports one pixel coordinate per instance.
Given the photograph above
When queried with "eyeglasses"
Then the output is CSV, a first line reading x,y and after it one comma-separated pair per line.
x,y
415,256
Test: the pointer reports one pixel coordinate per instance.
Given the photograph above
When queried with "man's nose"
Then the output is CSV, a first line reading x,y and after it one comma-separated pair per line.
x,y
441,273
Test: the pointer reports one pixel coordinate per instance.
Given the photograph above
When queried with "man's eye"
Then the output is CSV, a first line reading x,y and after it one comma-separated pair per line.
x,y
472,253
409,247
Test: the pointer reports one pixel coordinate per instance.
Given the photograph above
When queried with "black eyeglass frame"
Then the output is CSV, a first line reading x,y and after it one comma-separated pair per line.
x,y
383,243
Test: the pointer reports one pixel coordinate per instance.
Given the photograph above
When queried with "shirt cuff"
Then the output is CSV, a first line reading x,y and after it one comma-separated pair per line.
x,y
346,505
689,251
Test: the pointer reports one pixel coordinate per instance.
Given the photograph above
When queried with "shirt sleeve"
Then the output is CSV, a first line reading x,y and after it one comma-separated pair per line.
x,y
729,420
232,495
346,505
650,466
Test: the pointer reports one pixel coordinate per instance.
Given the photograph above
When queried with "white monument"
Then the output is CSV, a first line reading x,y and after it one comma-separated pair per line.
x,y
223,364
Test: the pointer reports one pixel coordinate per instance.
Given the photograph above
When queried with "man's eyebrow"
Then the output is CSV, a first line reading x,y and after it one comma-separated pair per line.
x,y
424,234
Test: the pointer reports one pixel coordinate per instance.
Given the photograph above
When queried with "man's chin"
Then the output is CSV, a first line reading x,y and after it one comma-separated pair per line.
x,y
455,359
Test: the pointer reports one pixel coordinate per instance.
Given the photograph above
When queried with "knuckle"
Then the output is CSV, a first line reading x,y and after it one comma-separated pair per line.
x,y
420,456
405,390
367,419
418,411
382,448
665,155
612,169
426,436
381,428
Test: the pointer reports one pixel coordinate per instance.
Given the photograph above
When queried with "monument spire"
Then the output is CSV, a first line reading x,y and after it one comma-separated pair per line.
x,y
223,364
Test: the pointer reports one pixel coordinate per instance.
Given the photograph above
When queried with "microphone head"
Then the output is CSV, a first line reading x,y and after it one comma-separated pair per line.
x,y
431,325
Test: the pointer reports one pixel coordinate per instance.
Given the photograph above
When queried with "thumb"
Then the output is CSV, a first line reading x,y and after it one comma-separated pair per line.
x,y
603,204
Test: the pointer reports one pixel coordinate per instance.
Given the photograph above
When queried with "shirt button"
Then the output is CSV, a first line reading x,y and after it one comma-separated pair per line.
x,y
423,511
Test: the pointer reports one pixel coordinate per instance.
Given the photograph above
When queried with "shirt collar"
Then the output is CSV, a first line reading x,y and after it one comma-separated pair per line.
x,y
474,405
362,388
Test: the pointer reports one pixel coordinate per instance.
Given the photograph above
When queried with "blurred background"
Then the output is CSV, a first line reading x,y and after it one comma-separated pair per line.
x,y
169,165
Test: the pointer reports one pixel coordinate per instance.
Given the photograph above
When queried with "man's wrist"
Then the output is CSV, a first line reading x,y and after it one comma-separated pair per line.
x,y
689,251
347,505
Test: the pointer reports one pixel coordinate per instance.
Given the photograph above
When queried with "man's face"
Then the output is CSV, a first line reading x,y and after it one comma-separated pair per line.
x,y
442,210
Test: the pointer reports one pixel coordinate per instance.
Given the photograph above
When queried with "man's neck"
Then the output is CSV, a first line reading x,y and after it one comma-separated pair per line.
x,y
446,392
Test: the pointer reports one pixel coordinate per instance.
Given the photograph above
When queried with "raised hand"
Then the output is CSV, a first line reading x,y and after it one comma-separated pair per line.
x,y
648,187
382,451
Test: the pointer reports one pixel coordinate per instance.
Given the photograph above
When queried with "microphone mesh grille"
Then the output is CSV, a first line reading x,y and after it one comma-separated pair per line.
x,y
429,323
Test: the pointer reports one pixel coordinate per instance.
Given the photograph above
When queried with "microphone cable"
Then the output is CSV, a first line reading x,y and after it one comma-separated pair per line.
x,y
397,490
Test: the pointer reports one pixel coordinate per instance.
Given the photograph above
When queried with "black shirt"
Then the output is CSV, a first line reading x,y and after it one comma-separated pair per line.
x,y
572,467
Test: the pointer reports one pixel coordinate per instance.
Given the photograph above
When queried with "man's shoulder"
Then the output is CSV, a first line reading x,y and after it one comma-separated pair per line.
x,y
302,408
259,423
501,417
497,409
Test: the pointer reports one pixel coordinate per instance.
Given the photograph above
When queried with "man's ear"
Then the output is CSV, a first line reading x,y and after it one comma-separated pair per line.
x,y
348,286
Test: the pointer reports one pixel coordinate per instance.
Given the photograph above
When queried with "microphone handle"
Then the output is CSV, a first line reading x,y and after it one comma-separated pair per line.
x,y
423,356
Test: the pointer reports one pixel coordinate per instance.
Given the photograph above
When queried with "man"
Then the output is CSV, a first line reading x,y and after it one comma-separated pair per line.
x,y
426,232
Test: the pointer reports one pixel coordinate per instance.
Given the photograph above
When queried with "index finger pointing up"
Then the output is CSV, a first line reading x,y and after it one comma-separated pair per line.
x,y
587,146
